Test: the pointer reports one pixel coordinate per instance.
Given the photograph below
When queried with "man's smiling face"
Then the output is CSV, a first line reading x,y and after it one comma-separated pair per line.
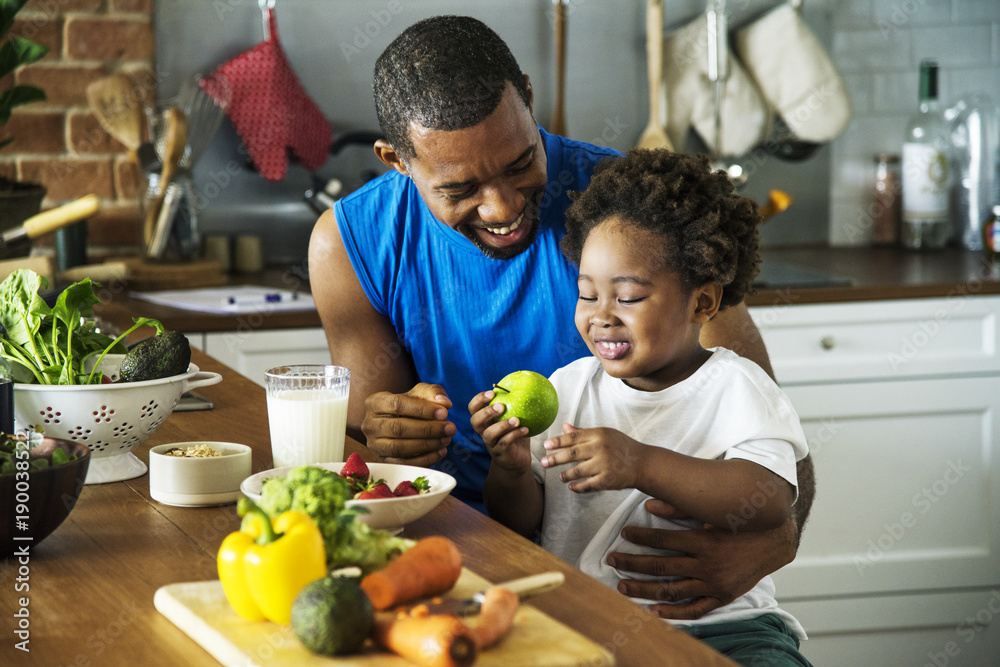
x,y
486,181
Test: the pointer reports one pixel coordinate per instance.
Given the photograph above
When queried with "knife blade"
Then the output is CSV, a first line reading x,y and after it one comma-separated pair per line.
x,y
524,587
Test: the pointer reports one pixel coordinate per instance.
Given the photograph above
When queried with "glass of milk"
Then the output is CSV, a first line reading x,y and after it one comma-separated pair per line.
x,y
307,413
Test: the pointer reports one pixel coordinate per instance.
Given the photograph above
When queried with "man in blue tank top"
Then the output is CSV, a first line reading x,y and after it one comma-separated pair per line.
x,y
440,277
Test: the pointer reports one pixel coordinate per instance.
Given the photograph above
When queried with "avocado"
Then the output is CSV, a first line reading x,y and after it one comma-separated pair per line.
x,y
158,357
333,616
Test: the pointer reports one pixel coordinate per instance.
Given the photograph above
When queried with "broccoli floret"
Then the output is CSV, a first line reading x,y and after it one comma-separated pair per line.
x,y
322,495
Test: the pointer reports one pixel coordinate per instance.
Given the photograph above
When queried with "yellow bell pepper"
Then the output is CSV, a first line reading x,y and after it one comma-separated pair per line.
x,y
265,564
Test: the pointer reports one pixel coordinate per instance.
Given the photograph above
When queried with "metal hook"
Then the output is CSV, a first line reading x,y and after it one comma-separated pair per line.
x,y
265,9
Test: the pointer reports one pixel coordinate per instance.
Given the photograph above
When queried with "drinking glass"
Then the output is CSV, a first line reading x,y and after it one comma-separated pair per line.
x,y
307,413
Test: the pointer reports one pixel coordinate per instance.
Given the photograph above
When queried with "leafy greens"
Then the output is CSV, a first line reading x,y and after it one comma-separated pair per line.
x,y
51,345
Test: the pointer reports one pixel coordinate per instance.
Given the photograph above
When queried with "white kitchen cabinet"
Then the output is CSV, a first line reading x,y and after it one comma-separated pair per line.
x,y
253,352
900,400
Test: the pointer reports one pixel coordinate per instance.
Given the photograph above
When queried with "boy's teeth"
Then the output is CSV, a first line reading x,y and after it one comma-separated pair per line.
x,y
503,231
610,346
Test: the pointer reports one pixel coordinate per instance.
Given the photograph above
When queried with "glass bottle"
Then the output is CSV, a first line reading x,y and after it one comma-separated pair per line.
x,y
886,206
6,398
926,170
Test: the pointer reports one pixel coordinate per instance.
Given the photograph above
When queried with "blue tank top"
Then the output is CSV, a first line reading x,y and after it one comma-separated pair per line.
x,y
465,319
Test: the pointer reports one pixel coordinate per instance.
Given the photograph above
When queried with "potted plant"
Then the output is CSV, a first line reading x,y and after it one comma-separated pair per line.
x,y
18,201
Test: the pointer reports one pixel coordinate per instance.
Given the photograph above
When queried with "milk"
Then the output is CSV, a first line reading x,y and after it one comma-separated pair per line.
x,y
307,426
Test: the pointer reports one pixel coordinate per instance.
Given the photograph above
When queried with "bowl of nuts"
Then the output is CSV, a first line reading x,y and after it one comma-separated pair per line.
x,y
198,474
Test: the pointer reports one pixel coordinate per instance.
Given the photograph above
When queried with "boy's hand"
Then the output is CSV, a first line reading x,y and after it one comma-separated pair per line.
x,y
605,458
506,441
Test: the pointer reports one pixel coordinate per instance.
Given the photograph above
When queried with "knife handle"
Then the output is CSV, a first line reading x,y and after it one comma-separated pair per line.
x,y
51,220
535,584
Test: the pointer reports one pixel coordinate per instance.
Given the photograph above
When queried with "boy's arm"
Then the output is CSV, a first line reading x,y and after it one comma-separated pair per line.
x,y
717,491
515,500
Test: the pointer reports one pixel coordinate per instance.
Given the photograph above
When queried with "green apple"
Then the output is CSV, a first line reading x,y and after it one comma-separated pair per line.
x,y
530,397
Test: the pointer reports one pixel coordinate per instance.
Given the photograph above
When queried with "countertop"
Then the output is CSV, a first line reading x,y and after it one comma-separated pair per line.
x,y
92,581
873,274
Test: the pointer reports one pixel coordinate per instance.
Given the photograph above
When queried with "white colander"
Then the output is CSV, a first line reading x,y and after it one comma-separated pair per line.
x,y
109,418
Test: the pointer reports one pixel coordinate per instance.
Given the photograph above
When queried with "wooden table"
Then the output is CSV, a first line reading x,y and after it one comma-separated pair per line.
x,y
92,581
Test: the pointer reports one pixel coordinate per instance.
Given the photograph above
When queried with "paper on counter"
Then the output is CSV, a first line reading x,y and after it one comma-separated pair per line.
x,y
250,299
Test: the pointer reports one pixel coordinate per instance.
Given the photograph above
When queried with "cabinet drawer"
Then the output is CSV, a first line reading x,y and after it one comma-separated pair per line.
x,y
881,339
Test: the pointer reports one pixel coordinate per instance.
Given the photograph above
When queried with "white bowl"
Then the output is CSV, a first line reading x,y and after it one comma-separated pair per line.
x,y
198,482
383,513
109,418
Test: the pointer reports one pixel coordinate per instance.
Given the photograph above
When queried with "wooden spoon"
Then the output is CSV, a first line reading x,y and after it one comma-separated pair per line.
x,y
115,102
175,139
655,136
558,122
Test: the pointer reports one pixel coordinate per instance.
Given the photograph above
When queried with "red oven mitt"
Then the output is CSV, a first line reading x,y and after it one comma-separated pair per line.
x,y
272,111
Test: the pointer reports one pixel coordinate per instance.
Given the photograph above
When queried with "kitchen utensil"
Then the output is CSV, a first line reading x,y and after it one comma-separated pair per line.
x,y
797,78
51,220
324,193
116,104
204,112
655,136
558,123
270,108
109,418
718,73
523,587
691,93
175,141
383,513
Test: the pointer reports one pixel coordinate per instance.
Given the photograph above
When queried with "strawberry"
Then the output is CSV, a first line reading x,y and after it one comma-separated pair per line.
x,y
355,467
414,488
380,490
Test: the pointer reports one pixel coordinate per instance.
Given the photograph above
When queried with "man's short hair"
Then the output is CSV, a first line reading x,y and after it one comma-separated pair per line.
x,y
443,73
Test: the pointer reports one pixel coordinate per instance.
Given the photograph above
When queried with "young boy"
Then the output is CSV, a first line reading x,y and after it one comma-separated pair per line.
x,y
662,245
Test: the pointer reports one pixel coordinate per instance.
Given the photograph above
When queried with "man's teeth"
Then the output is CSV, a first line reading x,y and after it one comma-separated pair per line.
x,y
504,231
609,346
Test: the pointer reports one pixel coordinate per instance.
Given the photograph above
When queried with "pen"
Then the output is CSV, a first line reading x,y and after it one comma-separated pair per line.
x,y
254,299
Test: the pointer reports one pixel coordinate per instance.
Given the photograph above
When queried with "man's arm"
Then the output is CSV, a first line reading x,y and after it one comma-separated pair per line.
x,y
399,418
733,328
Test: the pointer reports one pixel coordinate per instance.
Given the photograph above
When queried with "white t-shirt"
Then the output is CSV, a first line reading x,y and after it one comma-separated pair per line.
x,y
729,408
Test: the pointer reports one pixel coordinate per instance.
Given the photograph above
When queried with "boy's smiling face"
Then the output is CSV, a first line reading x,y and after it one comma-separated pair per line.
x,y
633,311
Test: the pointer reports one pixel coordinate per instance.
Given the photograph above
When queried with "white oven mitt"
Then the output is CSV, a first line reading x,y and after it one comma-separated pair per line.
x,y
691,96
795,75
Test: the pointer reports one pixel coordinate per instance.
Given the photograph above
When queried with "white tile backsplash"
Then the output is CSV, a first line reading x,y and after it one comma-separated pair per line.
x,y
877,45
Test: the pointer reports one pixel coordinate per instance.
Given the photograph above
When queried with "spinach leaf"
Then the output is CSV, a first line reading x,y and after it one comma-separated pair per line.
x,y
51,344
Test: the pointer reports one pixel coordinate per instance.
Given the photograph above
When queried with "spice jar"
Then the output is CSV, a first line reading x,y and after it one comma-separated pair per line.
x,y
886,208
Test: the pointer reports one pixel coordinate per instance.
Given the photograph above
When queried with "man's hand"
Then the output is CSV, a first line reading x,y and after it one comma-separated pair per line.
x,y
717,565
410,428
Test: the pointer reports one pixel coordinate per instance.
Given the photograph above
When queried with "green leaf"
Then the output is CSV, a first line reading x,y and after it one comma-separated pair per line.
x,y
17,96
23,310
74,302
19,51
8,10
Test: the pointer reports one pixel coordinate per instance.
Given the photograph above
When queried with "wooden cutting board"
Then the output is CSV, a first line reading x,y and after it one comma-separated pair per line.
x,y
200,609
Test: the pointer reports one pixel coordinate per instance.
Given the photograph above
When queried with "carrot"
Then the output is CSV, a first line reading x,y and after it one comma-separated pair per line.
x,y
429,567
496,616
430,641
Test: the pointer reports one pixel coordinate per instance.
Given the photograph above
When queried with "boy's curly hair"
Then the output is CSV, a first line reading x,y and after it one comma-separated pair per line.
x,y
709,232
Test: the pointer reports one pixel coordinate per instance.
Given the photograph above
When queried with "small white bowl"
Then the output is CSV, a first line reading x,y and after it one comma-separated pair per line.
x,y
198,482
384,513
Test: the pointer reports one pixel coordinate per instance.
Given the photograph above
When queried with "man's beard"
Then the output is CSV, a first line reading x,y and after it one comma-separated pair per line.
x,y
509,252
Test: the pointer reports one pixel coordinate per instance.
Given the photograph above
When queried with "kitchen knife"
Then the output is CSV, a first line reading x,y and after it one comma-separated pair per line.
x,y
51,220
524,587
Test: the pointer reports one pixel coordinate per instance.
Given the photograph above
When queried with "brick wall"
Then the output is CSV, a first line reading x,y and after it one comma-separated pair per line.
x,y
59,142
